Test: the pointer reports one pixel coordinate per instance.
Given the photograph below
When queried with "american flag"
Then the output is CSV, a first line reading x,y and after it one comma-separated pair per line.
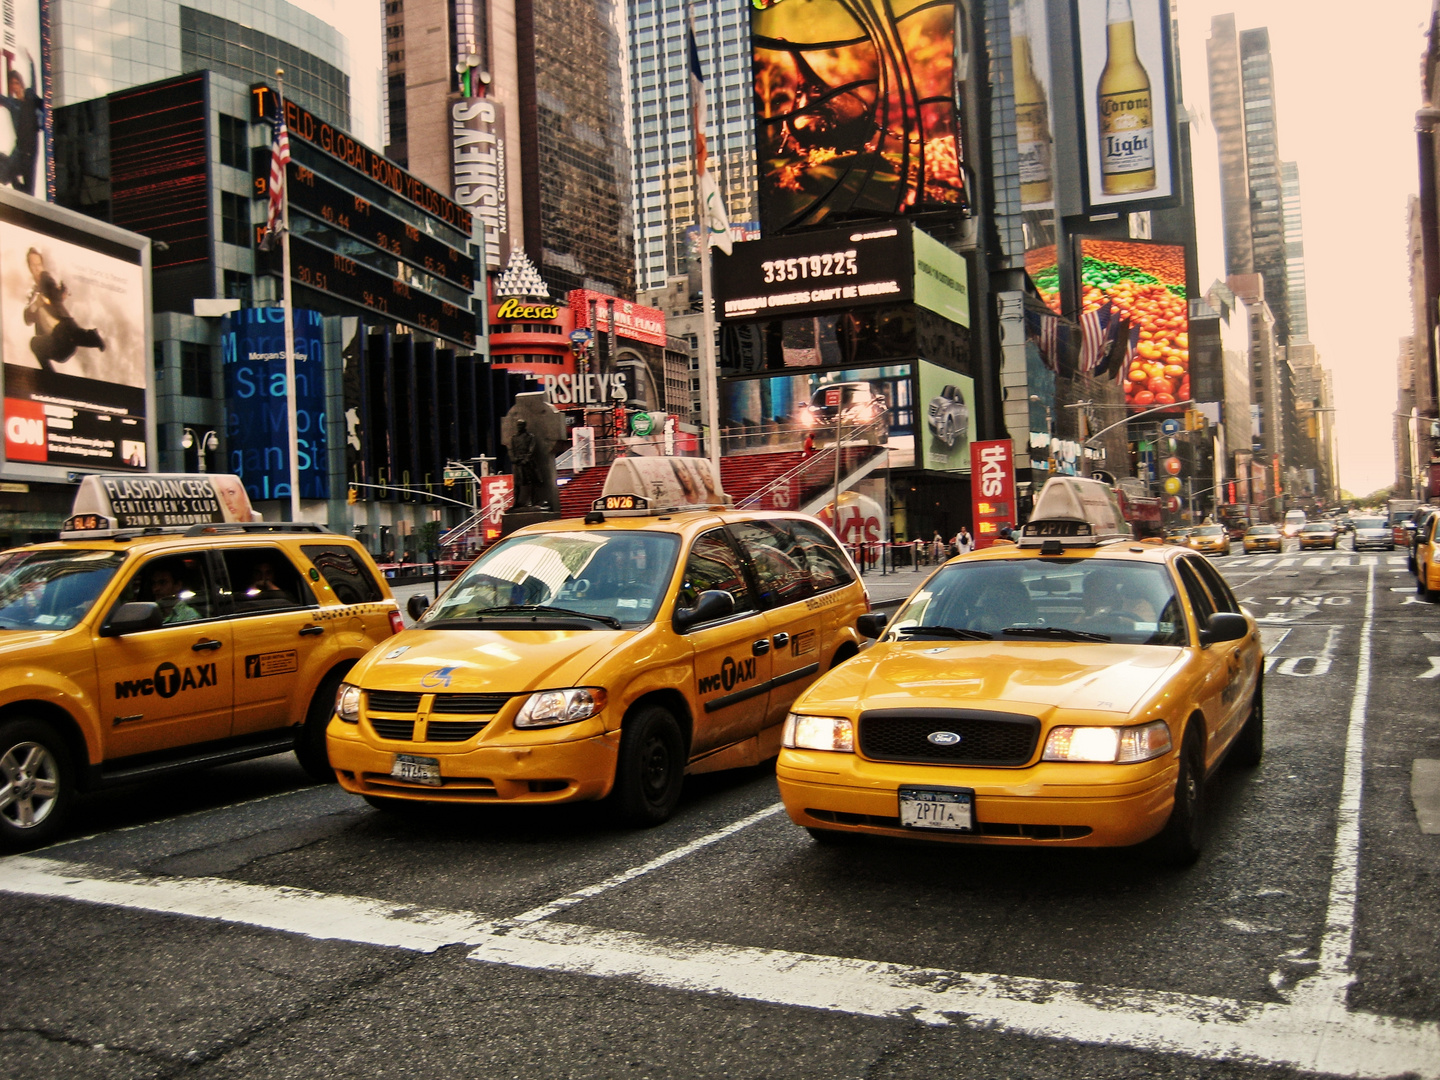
x,y
1097,328
279,158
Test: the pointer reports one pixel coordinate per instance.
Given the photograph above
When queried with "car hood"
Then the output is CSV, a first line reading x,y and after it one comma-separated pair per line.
x,y
1003,675
474,661
18,641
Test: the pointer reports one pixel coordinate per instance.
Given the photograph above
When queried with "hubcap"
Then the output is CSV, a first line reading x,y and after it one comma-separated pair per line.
x,y
31,778
657,767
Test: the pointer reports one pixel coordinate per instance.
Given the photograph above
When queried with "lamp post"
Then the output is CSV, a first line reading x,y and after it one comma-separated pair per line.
x,y
209,441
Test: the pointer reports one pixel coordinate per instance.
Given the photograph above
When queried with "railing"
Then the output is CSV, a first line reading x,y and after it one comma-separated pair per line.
x,y
862,433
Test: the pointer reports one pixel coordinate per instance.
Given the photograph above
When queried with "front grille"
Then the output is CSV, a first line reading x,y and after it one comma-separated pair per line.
x,y
403,730
986,738
453,730
982,828
469,704
391,701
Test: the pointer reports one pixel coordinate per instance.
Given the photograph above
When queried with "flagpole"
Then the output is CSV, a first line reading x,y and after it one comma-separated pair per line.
x,y
709,377
292,424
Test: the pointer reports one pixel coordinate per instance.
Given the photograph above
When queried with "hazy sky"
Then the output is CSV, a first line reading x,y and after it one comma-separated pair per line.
x,y
1347,80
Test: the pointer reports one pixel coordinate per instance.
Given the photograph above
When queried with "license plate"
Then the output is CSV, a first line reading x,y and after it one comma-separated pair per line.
x,y
938,808
417,770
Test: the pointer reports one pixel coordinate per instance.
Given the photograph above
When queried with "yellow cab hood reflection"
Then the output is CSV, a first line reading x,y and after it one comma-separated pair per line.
x,y
471,661
996,674
19,641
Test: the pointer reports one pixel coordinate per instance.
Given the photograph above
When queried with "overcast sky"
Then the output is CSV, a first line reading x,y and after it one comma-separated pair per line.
x,y
1347,84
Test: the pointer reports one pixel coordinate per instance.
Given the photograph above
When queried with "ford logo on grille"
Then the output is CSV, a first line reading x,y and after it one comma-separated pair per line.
x,y
943,738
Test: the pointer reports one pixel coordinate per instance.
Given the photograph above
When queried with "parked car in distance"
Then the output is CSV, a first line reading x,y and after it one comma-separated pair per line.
x,y
1262,538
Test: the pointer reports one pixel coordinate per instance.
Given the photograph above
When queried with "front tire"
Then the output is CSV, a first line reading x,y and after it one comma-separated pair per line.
x,y
1183,838
1249,745
37,784
651,768
310,739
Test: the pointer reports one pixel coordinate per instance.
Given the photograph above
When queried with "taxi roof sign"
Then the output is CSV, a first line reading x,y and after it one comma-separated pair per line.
x,y
106,504
1077,512
657,485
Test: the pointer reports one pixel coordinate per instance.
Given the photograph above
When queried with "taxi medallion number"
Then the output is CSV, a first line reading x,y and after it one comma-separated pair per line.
x,y
417,770
938,808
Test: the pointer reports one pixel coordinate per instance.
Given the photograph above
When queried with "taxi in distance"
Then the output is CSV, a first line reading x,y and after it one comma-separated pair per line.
x,y
1263,538
580,659
1319,534
1210,539
1075,689
170,629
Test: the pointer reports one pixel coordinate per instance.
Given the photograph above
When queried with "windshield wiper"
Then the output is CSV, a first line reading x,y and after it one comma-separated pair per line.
x,y
960,632
1059,633
545,609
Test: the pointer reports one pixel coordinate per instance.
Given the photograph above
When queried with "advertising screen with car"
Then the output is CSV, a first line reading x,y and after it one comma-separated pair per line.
x,y
947,398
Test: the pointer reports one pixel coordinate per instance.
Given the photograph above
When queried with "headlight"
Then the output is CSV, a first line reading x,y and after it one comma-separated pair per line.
x,y
347,703
1122,746
819,733
551,708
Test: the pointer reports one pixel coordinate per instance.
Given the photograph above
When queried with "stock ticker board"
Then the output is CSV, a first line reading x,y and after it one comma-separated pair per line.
x,y
373,237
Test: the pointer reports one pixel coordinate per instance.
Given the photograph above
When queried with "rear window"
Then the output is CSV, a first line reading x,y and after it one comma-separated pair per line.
x,y
1370,523
345,572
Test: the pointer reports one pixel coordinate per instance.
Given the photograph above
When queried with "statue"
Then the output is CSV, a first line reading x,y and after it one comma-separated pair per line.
x,y
533,431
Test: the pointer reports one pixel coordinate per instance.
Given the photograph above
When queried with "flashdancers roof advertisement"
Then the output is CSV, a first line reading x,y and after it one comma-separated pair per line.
x,y
72,331
855,110
24,139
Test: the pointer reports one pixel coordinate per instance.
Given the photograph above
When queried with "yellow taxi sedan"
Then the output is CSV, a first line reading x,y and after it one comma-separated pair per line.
x,y
1063,692
1318,534
1262,538
1209,539
1427,551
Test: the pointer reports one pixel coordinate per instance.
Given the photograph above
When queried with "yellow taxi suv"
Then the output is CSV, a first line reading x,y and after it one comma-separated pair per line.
x,y
1074,690
1319,534
604,657
1427,557
1209,539
167,630
1263,538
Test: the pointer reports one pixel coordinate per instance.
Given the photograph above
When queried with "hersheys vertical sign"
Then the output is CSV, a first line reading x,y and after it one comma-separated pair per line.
x,y
992,488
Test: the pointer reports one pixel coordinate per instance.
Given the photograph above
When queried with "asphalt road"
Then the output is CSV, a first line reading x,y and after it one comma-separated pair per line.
x,y
243,922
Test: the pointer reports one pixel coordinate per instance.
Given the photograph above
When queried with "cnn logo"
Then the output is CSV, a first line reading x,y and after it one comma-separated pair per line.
x,y
25,438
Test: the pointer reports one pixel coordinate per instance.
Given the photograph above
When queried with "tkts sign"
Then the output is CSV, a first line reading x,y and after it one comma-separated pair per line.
x,y
992,488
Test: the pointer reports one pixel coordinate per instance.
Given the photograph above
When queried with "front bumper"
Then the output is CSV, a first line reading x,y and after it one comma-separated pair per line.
x,y
1271,545
1052,804
551,772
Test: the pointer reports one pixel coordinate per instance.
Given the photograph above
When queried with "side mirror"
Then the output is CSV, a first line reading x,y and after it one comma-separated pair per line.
x,y
710,605
872,624
128,618
1224,626
416,606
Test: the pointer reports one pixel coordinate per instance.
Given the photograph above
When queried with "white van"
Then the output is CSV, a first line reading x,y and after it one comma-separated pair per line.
x,y
1294,522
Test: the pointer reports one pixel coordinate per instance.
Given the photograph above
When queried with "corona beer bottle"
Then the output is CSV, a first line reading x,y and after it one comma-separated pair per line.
x,y
1032,115
1127,132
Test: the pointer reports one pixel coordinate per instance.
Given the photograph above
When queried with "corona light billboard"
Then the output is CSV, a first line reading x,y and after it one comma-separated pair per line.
x,y
854,110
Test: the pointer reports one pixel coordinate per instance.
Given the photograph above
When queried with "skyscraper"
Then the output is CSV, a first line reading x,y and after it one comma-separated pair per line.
x,y
1227,113
1294,253
663,166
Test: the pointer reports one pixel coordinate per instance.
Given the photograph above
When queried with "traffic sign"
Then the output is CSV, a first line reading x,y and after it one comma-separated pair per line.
x,y
581,336
1173,466
1170,427
1172,503
1172,485
457,474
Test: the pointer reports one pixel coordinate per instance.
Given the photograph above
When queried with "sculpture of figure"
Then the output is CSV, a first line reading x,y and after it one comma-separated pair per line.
x,y
524,455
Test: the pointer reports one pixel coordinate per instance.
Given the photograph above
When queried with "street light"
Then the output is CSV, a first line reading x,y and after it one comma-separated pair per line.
x,y
209,441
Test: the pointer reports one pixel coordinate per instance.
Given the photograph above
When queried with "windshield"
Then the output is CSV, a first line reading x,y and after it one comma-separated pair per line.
x,y
609,575
53,589
1128,602
1369,523
1317,527
1264,530
1208,530
1295,517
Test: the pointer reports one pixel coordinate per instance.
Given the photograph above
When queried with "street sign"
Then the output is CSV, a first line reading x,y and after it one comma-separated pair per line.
x,y
1172,485
1170,427
582,336
457,474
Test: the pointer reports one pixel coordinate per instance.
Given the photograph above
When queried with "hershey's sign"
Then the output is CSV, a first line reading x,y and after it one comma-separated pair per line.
x,y
477,128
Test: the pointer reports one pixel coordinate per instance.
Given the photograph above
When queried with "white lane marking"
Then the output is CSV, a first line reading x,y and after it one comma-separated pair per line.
x,y
1367,560
1333,977
1285,562
1314,1039
1425,793
544,911
1262,562
1316,561
1434,668
326,916
1397,560
1341,560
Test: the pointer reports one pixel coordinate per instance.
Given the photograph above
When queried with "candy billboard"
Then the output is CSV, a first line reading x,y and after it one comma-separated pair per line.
x,y
854,110
1137,291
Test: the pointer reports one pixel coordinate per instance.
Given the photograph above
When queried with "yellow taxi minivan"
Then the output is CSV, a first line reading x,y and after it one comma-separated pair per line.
x,y
1427,552
580,659
1072,690
166,630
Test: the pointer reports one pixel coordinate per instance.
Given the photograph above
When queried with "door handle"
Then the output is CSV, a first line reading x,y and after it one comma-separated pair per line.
x,y
309,631
760,648
207,645
781,639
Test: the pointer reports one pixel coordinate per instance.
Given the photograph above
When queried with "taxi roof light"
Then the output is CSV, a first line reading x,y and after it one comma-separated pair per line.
x,y
645,486
1074,511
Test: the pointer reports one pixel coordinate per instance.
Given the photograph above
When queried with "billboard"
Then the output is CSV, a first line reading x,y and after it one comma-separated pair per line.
x,y
24,131
1138,289
1030,63
477,126
1128,135
992,489
257,426
948,401
854,110
73,313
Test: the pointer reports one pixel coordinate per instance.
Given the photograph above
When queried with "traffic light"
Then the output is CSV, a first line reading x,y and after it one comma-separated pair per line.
x,y
351,495
1194,420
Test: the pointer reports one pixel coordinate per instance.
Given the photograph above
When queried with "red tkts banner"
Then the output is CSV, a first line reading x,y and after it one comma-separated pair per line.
x,y
992,488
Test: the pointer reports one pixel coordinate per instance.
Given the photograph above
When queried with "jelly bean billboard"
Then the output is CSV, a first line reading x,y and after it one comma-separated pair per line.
x,y
1141,289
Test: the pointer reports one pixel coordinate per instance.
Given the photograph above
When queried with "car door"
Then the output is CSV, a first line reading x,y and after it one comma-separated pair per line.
x,y
732,661
796,627
171,686
280,642
1223,679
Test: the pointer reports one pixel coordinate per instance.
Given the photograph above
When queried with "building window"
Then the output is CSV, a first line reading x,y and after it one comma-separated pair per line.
x,y
195,373
237,286
159,361
234,219
234,142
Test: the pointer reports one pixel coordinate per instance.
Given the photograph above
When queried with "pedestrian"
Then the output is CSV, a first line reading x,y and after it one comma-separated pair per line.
x,y
809,450
964,542
937,547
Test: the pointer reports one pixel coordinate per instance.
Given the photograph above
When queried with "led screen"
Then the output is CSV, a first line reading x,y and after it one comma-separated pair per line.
x,y
1138,293
855,109
24,138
